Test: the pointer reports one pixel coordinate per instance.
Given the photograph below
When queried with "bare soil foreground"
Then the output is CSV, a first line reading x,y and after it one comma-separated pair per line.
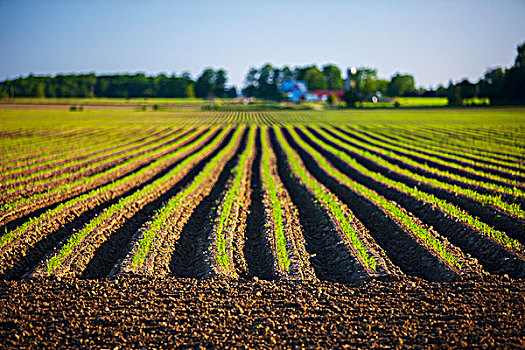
x,y
219,313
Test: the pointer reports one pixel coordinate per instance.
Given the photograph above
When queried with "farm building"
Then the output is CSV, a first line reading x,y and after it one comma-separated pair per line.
x,y
322,95
297,91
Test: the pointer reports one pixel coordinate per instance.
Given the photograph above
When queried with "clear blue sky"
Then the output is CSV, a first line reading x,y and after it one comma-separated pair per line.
x,y
433,40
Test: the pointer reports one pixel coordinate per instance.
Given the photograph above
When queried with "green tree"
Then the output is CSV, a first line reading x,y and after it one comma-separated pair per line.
x,y
332,75
267,88
467,89
205,84
453,94
250,82
400,85
40,90
315,79
220,80
514,82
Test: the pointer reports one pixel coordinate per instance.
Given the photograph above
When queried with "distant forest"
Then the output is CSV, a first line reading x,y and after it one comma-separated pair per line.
x,y
210,83
500,85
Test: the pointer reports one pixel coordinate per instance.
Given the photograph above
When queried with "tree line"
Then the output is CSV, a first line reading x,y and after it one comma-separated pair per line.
x,y
499,85
209,83
363,82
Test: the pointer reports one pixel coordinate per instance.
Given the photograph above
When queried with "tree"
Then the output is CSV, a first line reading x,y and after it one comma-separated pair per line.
x,y
315,79
204,86
286,74
441,91
267,88
332,75
250,88
401,85
492,85
467,90
232,92
453,94
40,90
220,83
90,85
351,97
514,82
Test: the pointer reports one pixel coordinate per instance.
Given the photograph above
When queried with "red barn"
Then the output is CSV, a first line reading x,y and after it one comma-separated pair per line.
x,y
323,94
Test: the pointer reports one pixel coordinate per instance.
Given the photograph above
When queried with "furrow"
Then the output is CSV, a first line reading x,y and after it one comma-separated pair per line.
x,y
341,251
468,169
73,256
417,249
24,206
258,252
512,195
76,161
492,210
20,247
26,188
156,243
493,249
281,226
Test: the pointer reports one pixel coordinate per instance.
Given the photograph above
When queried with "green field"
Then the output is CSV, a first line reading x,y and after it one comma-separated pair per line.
x,y
411,102
502,117
381,182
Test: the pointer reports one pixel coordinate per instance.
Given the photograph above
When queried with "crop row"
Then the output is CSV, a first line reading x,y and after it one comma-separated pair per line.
x,y
19,240
68,190
289,201
468,167
428,138
494,200
67,162
98,230
24,186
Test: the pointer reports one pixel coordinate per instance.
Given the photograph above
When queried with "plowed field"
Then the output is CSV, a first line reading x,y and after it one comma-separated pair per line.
x,y
264,229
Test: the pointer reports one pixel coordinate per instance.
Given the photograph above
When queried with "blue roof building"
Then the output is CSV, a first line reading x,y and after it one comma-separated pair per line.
x,y
296,90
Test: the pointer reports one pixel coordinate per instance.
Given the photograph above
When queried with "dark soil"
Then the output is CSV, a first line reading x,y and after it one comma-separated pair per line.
x,y
30,188
28,257
330,260
257,251
428,173
402,248
61,167
494,257
188,258
515,228
25,213
213,313
115,248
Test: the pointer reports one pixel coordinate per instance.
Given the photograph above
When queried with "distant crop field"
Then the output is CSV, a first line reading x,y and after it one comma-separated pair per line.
x,y
305,195
422,101
408,102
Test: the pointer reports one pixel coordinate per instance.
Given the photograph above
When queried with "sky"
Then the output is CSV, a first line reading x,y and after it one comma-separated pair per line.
x,y
436,41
